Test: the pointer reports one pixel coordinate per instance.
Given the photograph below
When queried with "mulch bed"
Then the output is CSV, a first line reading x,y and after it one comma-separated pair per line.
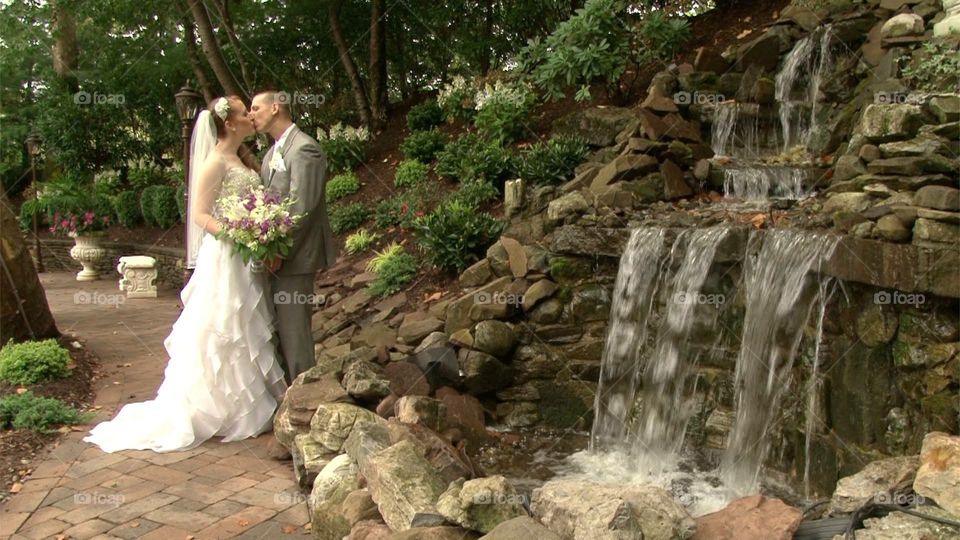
x,y
20,449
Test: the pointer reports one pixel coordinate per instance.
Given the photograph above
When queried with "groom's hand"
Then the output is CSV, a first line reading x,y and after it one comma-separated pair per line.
x,y
273,264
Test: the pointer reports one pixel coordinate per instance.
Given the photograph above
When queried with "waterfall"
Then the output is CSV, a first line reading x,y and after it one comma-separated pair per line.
x,y
736,130
812,414
778,303
798,86
761,183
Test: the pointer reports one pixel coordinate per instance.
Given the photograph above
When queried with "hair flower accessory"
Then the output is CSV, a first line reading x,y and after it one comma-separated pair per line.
x,y
222,108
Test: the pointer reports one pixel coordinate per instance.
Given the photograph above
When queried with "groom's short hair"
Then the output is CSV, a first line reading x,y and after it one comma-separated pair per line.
x,y
281,98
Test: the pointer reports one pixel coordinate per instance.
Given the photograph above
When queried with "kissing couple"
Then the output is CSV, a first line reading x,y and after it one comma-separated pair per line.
x,y
232,351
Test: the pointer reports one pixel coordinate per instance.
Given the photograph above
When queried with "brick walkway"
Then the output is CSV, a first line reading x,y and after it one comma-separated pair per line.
x,y
218,490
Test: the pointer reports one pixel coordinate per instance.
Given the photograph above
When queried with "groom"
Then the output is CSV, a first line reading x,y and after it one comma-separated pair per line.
x,y
295,167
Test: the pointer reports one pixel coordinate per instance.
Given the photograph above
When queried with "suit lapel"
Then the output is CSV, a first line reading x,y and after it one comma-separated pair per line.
x,y
283,151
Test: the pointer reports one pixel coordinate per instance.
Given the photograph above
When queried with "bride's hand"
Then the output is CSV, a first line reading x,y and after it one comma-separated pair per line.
x,y
273,264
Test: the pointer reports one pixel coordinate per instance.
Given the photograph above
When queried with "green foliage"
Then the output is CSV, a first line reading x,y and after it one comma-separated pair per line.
x,y
181,195
142,177
33,361
470,158
424,116
502,111
27,411
69,197
342,185
660,36
126,206
474,193
346,217
552,162
935,66
404,208
344,146
409,173
360,241
158,205
591,46
456,100
27,211
394,268
423,145
455,235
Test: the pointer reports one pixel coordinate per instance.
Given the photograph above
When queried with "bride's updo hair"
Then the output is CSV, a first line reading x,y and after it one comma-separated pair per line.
x,y
235,104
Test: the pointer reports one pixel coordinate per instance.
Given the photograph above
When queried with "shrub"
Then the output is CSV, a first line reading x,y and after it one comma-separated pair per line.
x,y
360,241
552,162
342,185
387,212
345,146
474,193
660,36
424,116
409,173
27,411
27,211
394,268
347,217
159,206
502,111
142,177
935,66
33,361
126,207
455,235
470,158
456,100
422,145
404,208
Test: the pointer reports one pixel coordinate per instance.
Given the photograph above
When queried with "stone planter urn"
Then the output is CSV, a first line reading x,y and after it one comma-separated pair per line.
x,y
87,252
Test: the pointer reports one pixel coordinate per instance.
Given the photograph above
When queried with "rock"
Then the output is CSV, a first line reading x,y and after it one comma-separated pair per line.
x,y
482,372
877,324
416,326
904,24
847,167
927,230
922,144
750,518
901,526
363,381
433,339
519,414
571,203
679,128
701,171
878,477
333,422
764,91
370,530
889,122
516,255
890,228
674,186
404,485
938,197
844,221
623,168
301,402
590,303
435,533
477,274
708,59
587,242
763,51
422,410
945,108
868,153
481,504
847,202
939,215
309,458
526,392
939,475
359,506
653,127
512,197
331,487
386,407
376,335
537,292
406,379
598,126
499,259
801,16
462,409
520,527
614,196
439,365
367,440
494,337
912,166
659,101
462,338
581,509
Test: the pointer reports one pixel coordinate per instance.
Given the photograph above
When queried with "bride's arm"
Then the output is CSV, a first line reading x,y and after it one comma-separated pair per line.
x,y
208,189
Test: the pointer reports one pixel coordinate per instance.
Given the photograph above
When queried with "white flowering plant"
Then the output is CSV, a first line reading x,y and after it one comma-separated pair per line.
x,y
502,110
345,146
456,99
259,224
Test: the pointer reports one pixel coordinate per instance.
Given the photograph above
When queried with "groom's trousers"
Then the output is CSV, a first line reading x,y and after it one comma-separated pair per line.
x,y
292,298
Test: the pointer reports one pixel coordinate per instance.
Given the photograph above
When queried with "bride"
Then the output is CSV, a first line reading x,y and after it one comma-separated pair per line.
x,y
223,378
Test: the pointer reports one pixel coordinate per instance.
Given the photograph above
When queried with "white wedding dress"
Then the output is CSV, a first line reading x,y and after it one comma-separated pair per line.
x,y
223,378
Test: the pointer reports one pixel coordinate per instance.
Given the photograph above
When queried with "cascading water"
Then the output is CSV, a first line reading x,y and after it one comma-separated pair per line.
x,y
761,183
798,86
812,413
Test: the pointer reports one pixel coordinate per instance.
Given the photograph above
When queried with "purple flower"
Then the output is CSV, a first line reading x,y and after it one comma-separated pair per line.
x,y
264,227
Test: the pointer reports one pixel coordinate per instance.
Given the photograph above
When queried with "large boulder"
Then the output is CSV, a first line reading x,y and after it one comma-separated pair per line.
x,y
405,486
365,382
885,122
300,403
482,372
581,509
598,126
333,423
939,475
876,479
902,25
520,527
494,337
330,489
938,198
900,526
750,518
569,204
481,504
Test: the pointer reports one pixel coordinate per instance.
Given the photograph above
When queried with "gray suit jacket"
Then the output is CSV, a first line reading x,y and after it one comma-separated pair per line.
x,y
305,180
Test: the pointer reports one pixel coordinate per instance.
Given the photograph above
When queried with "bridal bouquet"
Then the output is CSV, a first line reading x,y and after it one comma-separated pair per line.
x,y
258,223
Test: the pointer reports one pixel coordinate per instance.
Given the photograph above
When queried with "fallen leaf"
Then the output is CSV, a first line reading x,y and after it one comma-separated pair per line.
x,y
308,526
745,33
289,529
758,220
21,391
135,524
432,297
16,487
243,522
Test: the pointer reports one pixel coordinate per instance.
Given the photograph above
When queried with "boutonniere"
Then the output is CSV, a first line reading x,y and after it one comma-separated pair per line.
x,y
276,163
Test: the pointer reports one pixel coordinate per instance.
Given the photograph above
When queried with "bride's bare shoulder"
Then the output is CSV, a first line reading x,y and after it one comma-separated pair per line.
x,y
214,163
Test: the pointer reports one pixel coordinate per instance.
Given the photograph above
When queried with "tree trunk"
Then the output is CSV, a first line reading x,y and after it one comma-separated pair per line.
x,y
203,82
224,10
400,64
488,34
211,49
356,83
378,65
24,312
65,51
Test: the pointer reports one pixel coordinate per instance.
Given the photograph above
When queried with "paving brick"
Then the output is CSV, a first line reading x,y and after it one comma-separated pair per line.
x,y
218,471
274,500
297,514
44,530
283,471
91,505
50,469
39,484
167,532
93,479
168,458
278,484
69,450
224,508
163,475
192,464
141,490
239,483
25,502
129,465
41,515
223,450
138,508
248,464
83,467
134,528
196,491
273,529
236,524
61,497
188,504
11,521
88,529
183,519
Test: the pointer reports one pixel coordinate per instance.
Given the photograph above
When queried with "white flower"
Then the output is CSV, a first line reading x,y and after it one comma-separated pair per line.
x,y
222,108
276,162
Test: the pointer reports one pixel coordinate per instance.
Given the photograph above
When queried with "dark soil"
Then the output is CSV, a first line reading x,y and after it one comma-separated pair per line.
x,y
20,448
719,28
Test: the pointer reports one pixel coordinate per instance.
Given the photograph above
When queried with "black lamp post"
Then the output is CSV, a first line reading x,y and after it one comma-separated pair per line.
x,y
33,148
188,104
